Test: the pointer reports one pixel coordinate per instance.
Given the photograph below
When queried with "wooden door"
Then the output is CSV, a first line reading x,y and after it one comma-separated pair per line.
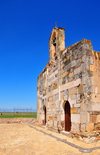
x,y
67,117
45,115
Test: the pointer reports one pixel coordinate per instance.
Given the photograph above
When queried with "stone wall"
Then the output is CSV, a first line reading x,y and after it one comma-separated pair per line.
x,y
73,77
93,104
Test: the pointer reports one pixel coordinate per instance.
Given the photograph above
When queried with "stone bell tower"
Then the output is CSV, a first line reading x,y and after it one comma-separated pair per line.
x,y
56,42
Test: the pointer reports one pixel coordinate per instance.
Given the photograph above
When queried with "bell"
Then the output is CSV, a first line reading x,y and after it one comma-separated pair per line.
x,y
54,42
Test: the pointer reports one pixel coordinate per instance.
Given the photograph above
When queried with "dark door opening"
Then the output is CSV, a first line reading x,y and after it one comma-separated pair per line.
x,y
45,115
67,117
44,121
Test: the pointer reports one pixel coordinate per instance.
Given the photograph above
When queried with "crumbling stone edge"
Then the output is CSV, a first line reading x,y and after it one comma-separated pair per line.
x,y
86,137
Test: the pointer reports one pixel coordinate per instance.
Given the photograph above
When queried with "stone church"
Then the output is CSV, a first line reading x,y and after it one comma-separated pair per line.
x,y
68,88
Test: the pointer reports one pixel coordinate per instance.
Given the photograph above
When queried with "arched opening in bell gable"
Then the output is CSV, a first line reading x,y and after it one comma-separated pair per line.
x,y
54,45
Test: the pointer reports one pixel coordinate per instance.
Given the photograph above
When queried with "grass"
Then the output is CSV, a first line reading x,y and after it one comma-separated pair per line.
x,y
18,115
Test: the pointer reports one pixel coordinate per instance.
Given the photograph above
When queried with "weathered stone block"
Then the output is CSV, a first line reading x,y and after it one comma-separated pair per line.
x,y
66,92
75,118
93,118
54,85
86,80
91,107
93,68
70,75
90,127
90,140
55,118
62,124
75,54
62,117
61,71
70,79
50,123
38,104
67,62
98,119
83,127
73,110
96,90
68,66
99,89
78,62
91,60
87,59
84,117
75,127
72,91
77,70
85,74
88,89
50,98
55,91
84,58
64,74
83,67
70,85
62,65
85,46
66,97
73,97
50,118
65,59
72,100
80,89
94,80
73,63
78,98
87,66
77,105
80,54
97,126
52,105
88,42
55,123
95,98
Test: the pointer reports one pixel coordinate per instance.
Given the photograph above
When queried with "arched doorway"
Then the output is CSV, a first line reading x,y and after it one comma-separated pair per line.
x,y
44,107
67,117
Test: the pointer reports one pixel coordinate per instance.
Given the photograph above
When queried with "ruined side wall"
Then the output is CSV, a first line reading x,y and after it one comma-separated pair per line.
x,y
92,105
52,105
41,95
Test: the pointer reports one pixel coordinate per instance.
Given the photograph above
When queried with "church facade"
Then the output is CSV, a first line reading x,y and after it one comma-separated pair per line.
x,y
68,88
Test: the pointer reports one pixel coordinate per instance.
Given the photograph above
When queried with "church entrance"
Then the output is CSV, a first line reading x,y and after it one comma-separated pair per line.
x,y
67,117
44,114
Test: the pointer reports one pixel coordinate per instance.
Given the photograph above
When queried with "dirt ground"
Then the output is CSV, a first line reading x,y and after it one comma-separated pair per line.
x,y
29,139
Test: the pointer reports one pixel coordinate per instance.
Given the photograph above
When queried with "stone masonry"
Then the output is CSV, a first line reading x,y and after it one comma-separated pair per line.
x,y
72,76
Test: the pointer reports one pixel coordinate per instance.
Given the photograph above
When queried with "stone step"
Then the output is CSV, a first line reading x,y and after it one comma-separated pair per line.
x,y
65,133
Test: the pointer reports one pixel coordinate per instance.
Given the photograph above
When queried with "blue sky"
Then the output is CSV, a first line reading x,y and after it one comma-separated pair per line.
x,y
25,28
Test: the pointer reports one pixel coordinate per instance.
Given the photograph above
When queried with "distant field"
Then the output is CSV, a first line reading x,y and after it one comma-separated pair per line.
x,y
18,115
